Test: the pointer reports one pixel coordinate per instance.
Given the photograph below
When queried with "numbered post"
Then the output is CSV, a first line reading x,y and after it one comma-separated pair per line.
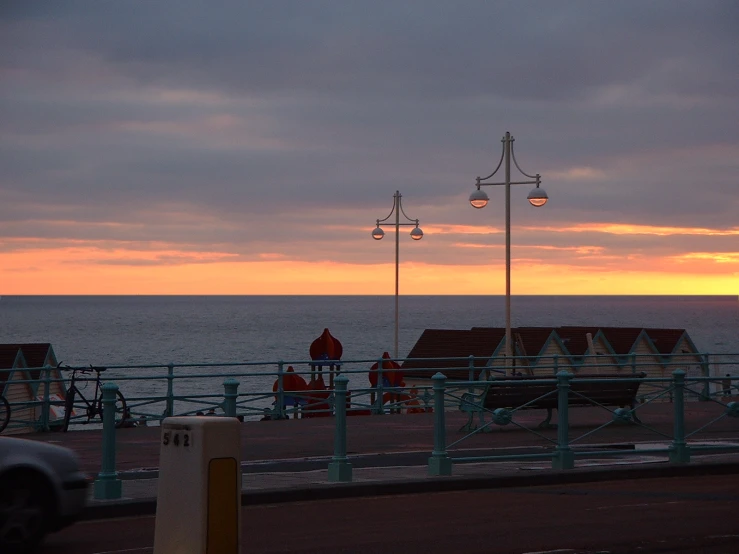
x,y
199,490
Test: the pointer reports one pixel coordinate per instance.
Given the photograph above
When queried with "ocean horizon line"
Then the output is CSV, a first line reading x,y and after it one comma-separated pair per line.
x,y
206,295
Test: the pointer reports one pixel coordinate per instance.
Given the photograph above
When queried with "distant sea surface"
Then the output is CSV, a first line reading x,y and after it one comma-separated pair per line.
x,y
130,330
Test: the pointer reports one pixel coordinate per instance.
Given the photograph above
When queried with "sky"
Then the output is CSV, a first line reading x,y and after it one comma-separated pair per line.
x,y
249,147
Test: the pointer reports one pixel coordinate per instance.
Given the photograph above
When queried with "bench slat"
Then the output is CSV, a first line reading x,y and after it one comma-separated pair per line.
x,y
502,393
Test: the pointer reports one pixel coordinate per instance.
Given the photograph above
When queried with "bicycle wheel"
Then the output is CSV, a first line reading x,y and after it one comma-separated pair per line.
x,y
68,407
121,412
4,413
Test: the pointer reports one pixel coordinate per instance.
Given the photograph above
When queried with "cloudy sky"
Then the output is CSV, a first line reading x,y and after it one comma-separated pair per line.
x,y
248,147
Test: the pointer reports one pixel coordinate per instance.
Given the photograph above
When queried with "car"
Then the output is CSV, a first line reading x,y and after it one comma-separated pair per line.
x,y
42,490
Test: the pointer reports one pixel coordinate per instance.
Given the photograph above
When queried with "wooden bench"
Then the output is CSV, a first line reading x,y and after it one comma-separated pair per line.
x,y
617,390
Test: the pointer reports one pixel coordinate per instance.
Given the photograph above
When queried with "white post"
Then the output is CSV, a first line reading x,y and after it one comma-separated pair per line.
x,y
536,198
593,353
397,263
508,345
199,490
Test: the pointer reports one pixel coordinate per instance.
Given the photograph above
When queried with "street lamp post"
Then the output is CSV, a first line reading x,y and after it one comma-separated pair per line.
x,y
479,199
416,234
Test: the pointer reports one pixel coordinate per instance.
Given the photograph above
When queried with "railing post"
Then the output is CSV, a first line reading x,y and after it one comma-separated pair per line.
x,y
230,394
379,408
46,406
439,462
427,400
564,457
107,485
633,363
555,364
705,372
679,450
281,390
170,390
471,377
339,469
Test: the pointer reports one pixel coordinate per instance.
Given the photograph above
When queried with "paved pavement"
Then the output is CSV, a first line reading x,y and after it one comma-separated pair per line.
x,y
287,460
647,516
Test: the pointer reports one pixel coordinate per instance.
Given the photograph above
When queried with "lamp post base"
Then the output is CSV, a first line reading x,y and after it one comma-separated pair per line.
x,y
340,471
440,465
107,488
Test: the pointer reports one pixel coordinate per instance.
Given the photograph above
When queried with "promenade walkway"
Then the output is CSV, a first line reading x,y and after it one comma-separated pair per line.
x,y
287,460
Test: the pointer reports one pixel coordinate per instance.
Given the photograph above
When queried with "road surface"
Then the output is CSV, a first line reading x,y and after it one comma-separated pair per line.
x,y
651,515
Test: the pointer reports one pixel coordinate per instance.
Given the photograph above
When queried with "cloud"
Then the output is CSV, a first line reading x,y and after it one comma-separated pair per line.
x,y
268,130
624,229
579,174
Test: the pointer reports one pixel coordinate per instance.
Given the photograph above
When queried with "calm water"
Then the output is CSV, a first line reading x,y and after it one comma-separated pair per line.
x,y
125,330
146,330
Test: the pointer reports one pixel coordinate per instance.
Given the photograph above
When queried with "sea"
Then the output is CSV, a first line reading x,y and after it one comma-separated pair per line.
x,y
131,330
151,330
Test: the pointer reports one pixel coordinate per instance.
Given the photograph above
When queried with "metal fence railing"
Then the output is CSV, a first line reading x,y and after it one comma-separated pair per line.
x,y
285,389
498,395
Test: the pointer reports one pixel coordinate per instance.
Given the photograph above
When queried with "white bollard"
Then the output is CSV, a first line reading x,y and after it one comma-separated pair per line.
x,y
199,496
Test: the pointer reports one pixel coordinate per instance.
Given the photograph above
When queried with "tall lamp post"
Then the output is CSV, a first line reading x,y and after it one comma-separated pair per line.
x,y
416,234
479,199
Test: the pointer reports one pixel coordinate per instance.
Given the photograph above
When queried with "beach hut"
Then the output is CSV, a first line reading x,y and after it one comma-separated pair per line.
x,y
457,345
10,359
636,353
679,352
19,395
40,363
539,347
580,349
586,358
534,352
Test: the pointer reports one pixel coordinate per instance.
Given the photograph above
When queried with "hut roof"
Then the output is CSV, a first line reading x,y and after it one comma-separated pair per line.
x,y
8,357
621,339
8,354
665,340
533,339
482,342
453,343
574,338
34,353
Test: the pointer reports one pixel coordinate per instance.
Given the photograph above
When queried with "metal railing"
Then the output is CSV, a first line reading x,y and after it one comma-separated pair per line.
x,y
263,389
564,449
268,390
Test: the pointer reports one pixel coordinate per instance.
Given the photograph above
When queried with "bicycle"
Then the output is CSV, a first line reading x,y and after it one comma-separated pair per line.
x,y
94,407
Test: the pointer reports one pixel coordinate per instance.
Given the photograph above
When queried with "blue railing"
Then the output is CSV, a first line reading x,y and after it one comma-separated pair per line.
x,y
563,450
256,389
267,390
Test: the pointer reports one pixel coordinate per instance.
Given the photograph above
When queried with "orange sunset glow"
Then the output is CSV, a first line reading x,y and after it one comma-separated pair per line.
x,y
32,267
143,154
